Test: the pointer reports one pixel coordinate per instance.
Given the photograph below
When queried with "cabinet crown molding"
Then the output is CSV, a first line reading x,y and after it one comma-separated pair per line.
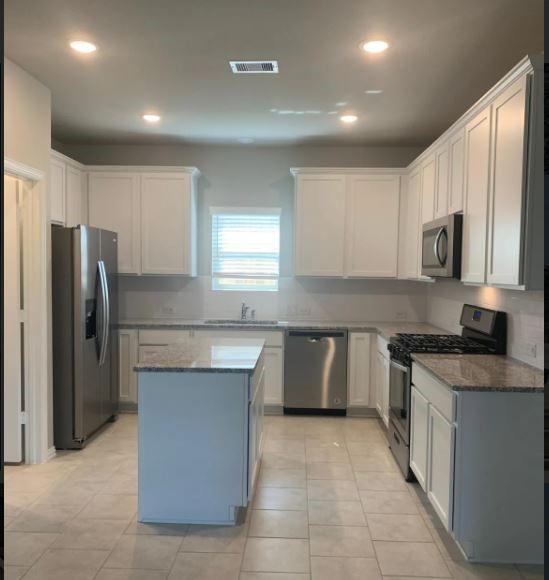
x,y
65,159
193,171
348,170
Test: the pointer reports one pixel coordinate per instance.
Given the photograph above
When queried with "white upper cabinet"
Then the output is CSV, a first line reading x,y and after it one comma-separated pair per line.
x,y
168,236
456,171
57,191
428,184
475,211
114,204
76,209
442,159
372,226
507,186
319,225
413,226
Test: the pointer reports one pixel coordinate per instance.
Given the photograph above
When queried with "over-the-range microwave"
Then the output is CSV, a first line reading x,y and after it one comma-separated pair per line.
x,y
441,247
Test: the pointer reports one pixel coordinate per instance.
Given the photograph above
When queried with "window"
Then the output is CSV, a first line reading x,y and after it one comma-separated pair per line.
x,y
245,248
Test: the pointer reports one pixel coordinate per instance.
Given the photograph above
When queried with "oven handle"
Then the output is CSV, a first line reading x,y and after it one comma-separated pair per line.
x,y
400,367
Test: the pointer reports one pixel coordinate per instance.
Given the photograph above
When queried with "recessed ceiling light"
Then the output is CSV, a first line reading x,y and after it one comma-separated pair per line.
x,y
373,92
341,104
375,46
348,118
83,46
245,140
151,118
286,112
333,112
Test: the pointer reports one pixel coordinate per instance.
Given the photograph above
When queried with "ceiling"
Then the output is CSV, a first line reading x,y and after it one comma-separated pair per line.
x,y
171,57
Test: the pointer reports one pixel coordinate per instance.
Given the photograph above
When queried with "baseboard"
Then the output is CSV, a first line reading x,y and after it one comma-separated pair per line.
x,y
273,410
127,407
369,412
51,452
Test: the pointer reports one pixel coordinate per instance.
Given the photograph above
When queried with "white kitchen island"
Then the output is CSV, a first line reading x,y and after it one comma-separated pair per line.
x,y
200,430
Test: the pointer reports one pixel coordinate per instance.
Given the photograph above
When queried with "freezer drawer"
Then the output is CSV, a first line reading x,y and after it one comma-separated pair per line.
x,y
315,370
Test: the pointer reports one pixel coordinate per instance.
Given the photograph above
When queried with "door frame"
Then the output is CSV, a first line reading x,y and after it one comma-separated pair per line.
x,y
38,322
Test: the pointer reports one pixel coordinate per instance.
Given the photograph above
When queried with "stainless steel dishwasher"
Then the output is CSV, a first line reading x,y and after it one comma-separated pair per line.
x,y
315,371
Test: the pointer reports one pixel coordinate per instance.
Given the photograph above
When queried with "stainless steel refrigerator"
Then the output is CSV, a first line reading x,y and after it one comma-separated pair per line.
x,y
84,333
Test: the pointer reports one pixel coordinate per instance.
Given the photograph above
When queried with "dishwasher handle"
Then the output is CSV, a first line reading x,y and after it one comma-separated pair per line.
x,y
316,336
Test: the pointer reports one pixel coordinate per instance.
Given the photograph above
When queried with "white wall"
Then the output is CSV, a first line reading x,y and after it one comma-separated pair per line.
x,y
524,313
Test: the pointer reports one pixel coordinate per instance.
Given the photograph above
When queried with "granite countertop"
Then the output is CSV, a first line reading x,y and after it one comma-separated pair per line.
x,y
385,329
217,355
479,372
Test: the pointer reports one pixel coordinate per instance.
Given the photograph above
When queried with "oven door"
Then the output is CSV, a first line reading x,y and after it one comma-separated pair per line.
x,y
399,398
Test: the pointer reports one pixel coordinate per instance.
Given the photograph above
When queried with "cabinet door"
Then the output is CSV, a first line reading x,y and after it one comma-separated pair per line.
x,y
359,369
166,223
475,211
507,185
273,361
113,204
419,436
74,197
127,345
319,225
57,191
441,190
457,172
413,226
440,465
372,226
428,183
385,391
380,364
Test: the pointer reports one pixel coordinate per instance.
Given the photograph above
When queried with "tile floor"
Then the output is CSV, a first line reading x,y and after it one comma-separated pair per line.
x,y
330,505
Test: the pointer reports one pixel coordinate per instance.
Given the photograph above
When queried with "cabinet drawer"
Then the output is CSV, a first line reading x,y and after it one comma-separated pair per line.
x,y
382,344
435,392
271,338
162,336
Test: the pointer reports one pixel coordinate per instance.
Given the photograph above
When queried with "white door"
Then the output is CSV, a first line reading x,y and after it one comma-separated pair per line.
x,y
273,361
419,428
166,223
457,171
428,184
507,185
413,226
113,204
475,211
319,225
372,226
13,319
57,191
359,369
440,465
441,189
74,197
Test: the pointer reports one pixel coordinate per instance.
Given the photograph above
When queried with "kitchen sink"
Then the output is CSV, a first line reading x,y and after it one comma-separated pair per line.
x,y
227,321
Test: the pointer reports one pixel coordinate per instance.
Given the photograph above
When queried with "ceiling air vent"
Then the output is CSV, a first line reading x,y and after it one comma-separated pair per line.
x,y
254,66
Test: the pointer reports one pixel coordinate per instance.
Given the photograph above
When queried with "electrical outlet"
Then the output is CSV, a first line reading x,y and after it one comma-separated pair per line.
x,y
401,316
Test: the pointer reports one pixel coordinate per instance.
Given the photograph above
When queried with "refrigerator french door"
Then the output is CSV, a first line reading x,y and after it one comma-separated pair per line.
x,y
84,333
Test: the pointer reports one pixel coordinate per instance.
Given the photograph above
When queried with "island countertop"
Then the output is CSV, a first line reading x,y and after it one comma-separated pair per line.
x,y
201,355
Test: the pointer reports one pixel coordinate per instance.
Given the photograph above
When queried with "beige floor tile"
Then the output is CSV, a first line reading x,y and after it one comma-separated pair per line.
x,y
281,461
90,472
276,555
111,506
144,552
114,574
328,441
531,572
121,483
280,498
67,565
90,534
373,463
278,524
327,455
14,572
222,539
332,490
135,527
287,446
272,576
398,528
70,494
24,548
15,503
282,477
330,471
343,513
465,571
344,569
388,502
189,566
43,518
410,558
342,541
379,481
445,543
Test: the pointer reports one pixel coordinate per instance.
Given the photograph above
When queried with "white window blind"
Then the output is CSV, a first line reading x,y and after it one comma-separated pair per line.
x,y
245,248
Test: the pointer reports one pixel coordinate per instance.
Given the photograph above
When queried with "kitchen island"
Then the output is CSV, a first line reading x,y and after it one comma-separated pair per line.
x,y
200,430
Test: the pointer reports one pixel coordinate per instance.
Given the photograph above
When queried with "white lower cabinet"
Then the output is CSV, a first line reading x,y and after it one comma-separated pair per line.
x,y
127,345
273,361
358,372
419,436
382,386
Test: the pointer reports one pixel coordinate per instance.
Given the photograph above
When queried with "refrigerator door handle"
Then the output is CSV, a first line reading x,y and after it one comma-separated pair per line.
x,y
105,312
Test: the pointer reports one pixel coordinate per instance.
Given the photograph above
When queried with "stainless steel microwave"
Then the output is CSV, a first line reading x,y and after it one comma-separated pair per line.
x,y
441,247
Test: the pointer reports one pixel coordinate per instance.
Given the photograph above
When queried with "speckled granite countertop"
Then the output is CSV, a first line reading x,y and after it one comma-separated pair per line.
x,y
479,372
385,329
217,355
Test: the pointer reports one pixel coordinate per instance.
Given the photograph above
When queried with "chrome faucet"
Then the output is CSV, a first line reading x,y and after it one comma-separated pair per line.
x,y
244,311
